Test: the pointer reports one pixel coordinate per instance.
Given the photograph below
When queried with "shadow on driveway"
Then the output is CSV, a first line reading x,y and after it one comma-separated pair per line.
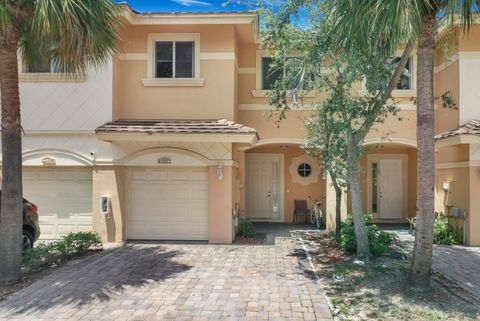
x,y
97,278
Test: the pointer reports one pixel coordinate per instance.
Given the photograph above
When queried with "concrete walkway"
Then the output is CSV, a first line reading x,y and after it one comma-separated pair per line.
x,y
156,281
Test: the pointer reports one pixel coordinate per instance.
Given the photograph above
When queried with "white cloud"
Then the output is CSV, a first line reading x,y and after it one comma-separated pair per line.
x,y
189,3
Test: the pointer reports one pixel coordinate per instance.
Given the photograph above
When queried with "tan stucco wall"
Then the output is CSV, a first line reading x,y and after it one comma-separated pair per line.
x,y
109,181
214,100
474,213
447,80
214,38
291,127
220,205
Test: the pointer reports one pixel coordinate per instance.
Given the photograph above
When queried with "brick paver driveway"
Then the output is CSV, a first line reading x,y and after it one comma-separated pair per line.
x,y
144,281
461,265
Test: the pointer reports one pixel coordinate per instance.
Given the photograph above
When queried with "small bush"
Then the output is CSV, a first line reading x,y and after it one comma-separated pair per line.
x,y
444,232
70,246
246,228
379,240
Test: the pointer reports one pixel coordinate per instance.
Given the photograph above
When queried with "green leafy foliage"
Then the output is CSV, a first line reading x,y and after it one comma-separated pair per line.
x,y
444,232
70,246
246,228
379,241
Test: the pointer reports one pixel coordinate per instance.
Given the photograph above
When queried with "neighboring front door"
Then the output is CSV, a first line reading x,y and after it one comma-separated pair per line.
x,y
263,186
390,188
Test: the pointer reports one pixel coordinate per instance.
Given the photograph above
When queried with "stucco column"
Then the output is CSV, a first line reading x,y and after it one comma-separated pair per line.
x,y
109,181
473,219
330,205
220,204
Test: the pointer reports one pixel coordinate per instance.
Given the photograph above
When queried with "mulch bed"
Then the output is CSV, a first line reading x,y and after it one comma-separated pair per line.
x,y
378,290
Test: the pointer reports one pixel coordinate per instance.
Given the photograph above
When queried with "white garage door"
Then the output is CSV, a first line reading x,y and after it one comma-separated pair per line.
x,y
63,197
167,204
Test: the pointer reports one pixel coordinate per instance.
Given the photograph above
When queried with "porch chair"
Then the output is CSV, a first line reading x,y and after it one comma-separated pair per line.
x,y
300,209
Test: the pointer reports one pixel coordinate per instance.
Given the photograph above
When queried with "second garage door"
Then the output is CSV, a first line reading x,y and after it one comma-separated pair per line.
x,y
63,197
167,203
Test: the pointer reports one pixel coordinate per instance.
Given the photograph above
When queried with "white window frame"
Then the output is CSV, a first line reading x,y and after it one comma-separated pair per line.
x,y
51,76
413,81
153,38
258,92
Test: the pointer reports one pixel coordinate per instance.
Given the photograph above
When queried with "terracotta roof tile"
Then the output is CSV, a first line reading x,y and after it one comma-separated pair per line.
x,y
470,128
171,126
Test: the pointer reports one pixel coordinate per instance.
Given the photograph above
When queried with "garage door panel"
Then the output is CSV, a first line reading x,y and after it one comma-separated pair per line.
x,y
168,204
64,199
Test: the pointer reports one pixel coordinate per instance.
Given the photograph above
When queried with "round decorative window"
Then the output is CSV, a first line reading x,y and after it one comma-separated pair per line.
x,y
304,170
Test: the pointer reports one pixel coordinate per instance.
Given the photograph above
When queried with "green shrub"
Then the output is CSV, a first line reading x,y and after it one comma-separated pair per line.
x,y
379,240
246,228
443,231
70,246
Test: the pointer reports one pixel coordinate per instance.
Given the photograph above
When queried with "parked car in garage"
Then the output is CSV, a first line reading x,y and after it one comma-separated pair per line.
x,y
31,227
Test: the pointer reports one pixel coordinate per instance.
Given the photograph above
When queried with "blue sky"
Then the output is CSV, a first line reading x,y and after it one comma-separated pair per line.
x,y
185,5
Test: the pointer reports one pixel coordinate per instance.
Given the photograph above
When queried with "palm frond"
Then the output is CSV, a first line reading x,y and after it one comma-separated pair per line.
x,y
376,24
72,34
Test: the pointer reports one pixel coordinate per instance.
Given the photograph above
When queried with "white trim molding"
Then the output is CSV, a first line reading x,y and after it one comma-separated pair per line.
x,y
217,56
464,164
61,157
247,70
390,140
178,138
264,107
173,82
447,63
52,77
177,157
167,18
132,56
457,140
262,93
268,141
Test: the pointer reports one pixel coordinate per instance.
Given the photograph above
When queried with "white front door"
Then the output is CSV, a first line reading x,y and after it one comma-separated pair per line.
x,y
263,186
390,188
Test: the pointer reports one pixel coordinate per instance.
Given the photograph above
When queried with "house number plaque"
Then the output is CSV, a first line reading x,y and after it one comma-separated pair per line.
x,y
165,160
49,161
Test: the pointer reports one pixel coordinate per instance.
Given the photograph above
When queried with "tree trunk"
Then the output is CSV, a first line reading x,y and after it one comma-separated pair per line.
x,y
11,216
361,236
420,270
338,205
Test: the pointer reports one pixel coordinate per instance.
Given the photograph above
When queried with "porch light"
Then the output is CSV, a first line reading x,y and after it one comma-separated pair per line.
x,y
220,172
446,186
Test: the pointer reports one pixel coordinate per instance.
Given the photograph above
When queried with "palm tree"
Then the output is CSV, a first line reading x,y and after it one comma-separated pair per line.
x,y
386,25
71,35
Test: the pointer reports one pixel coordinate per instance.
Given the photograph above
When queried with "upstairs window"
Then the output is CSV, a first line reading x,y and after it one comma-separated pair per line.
x,y
41,67
174,59
405,82
269,77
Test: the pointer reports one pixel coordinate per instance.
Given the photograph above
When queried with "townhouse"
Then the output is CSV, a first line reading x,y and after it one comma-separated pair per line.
x,y
171,136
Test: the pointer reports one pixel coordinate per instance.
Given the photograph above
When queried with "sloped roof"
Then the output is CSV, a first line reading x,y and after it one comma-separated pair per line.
x,y
173,126
470,128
